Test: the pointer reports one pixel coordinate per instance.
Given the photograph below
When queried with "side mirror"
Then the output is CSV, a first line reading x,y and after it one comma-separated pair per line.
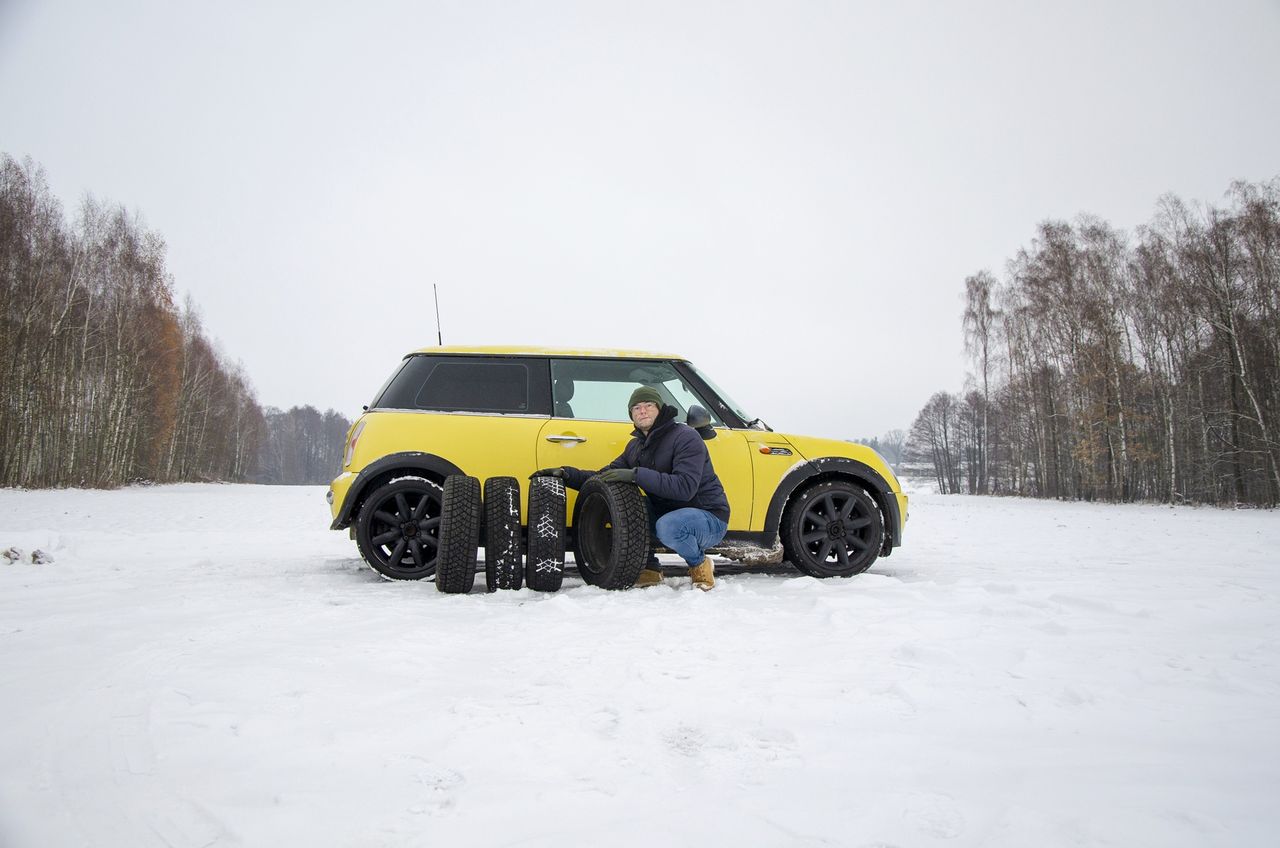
x,y
700,420
697,417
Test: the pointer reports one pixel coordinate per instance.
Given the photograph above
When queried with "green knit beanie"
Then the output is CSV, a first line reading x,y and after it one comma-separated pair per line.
x,y
642,394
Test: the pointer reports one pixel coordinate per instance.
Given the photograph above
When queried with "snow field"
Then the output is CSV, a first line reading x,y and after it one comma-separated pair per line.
x,y
210,665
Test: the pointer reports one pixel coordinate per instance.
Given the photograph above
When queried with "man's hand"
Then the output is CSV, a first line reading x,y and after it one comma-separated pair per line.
x,y
548,472
618,475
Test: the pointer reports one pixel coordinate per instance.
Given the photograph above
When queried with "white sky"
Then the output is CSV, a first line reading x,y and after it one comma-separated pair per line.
x,y
790,194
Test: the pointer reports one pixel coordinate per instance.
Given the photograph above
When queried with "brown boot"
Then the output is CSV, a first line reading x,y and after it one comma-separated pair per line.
x,y
703,575
648,577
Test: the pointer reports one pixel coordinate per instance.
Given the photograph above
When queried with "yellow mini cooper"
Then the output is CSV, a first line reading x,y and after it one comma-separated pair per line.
x,y
827,507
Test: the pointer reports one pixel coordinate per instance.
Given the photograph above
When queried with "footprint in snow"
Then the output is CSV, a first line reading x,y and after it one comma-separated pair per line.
x,y
439,785
604,722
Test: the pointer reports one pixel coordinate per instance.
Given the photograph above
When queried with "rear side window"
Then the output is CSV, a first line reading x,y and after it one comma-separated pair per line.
x,y
477,386
466,384
377,398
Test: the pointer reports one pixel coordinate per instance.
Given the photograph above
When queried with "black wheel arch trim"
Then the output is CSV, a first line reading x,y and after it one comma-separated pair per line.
x,y
405,461
833,467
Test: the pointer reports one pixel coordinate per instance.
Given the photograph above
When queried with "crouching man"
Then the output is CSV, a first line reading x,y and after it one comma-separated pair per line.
x,y
671,465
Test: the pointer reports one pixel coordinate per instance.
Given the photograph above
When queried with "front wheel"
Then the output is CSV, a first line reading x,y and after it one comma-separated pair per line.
x,y
832,529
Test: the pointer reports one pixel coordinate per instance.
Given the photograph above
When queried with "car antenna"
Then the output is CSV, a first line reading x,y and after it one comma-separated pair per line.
x,y
439,337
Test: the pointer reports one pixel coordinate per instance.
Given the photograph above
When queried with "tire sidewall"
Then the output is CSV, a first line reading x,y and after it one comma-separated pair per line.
x,y
628,549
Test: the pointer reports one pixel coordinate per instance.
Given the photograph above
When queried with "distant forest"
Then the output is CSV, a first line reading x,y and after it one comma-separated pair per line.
x,y
104,381
1122,368
302,445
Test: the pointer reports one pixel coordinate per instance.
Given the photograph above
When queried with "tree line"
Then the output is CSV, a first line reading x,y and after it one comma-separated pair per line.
x,y
104,380
302,445
1123,368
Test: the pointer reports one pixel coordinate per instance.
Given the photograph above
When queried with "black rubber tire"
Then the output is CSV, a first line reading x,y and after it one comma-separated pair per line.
x,y
503,554
611,527
544,561
832,529
459,535
405,510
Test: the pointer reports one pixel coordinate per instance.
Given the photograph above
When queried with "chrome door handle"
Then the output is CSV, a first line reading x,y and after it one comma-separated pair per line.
x,y
574,439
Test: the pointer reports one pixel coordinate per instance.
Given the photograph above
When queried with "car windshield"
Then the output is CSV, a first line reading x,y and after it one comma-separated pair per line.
x,y
733,404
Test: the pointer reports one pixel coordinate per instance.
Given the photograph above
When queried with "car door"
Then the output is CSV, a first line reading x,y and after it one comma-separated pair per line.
x,y
590,425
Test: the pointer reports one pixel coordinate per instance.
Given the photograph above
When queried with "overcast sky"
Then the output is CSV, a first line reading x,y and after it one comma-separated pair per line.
x,y
789,194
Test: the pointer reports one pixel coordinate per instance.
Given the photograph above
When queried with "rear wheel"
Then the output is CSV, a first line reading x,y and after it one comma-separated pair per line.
x,y
459,535
832,529
611,526
398,529
503,557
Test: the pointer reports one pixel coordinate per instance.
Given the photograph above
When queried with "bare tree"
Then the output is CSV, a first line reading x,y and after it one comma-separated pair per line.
x,y
1116,370
102,380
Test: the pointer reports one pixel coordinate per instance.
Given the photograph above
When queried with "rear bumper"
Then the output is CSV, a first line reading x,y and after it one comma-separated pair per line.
x,y
339,489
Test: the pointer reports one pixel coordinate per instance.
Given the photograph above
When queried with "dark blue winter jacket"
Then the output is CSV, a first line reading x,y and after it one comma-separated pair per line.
x,y
672,466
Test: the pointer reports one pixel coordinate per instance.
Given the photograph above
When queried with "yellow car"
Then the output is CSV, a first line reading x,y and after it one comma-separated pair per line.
x,y
828,507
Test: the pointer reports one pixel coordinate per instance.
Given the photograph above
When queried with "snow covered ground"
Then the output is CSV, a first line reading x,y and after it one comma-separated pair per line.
x,y
210,665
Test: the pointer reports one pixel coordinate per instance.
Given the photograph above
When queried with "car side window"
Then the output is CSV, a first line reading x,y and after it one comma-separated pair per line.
x,y
475,387
598,389
467,384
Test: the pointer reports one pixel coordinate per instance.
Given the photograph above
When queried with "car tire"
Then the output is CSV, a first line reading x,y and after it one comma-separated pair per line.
x,y
832,529
398,528
503,557
459,535
544,561
611,527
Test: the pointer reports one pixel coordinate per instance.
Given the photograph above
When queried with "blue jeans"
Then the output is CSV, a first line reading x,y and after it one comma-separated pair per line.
x,y
689,532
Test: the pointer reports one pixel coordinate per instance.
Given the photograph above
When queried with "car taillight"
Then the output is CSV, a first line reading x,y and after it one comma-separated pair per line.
x,y
351,443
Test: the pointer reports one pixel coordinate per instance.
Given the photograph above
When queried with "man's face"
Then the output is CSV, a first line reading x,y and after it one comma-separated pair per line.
x,y
643,414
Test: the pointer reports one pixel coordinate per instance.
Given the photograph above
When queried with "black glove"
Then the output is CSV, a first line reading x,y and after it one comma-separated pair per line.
x,y
618,475
548,472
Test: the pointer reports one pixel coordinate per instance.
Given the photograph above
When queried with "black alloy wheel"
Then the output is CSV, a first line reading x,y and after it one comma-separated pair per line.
x,y
832,529
398,530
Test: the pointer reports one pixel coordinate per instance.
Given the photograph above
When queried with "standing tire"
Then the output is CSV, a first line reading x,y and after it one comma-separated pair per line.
x,y
544,562
503,558
398,528
832,529
459,535
611,525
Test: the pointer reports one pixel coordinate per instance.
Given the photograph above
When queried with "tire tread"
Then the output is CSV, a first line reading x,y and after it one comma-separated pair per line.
x,y
459,535
630,535
544,561
503,557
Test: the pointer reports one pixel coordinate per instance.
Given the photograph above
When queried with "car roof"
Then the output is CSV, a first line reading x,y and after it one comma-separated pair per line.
x,y
535,350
